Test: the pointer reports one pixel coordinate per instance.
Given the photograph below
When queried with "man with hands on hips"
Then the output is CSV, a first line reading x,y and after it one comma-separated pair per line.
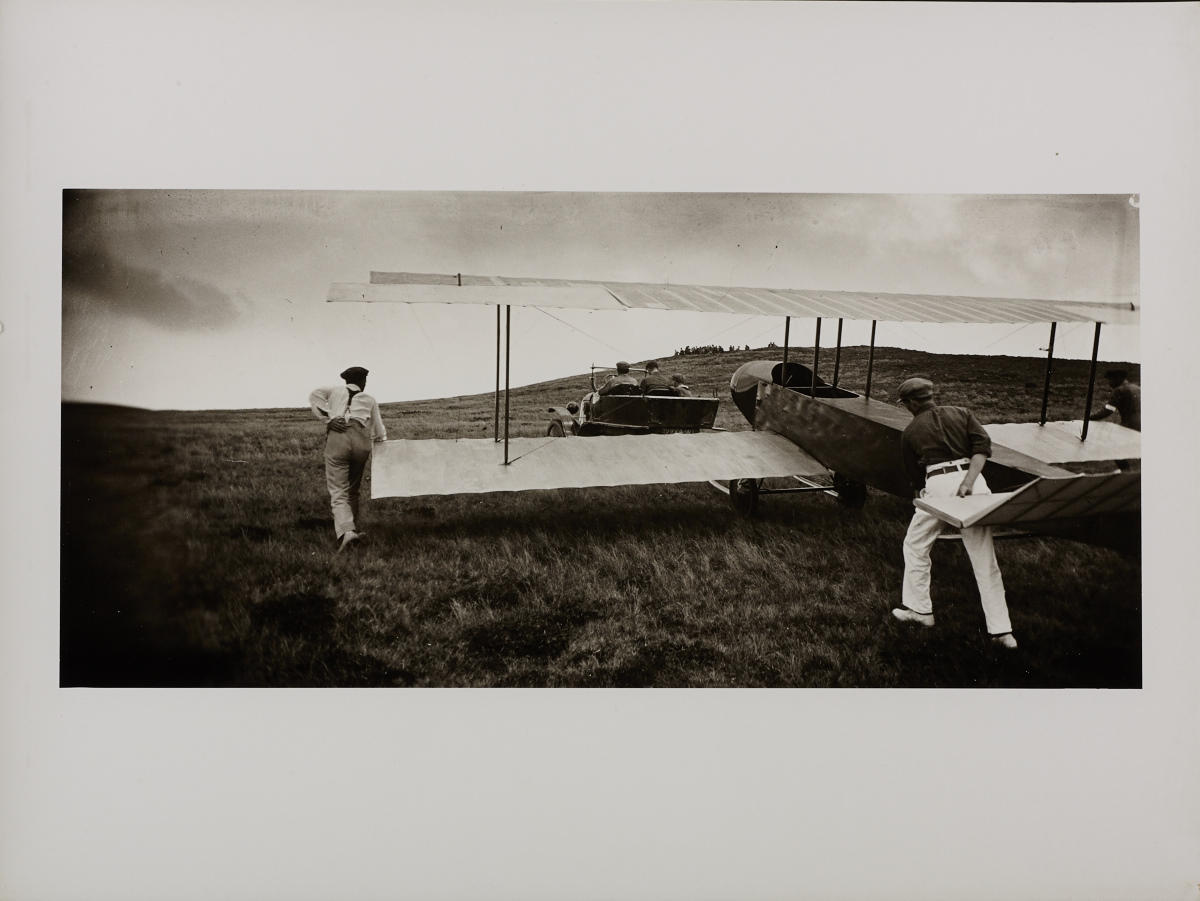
x,y
352,425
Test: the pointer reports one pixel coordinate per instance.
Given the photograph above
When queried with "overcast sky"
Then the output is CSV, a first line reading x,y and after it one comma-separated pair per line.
x,y
216,299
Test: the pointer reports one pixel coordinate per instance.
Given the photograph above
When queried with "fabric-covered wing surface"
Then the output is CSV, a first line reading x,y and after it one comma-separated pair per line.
x,y
566,297
1042,500
408,468
413,287
1058,442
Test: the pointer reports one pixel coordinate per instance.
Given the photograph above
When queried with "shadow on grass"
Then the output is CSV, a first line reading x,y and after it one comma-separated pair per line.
x,y
311,654
255,534
540,634
645,518
664,663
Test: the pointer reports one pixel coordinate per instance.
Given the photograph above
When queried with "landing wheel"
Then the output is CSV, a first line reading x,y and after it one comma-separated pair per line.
x,y
743,494
556,430
849,493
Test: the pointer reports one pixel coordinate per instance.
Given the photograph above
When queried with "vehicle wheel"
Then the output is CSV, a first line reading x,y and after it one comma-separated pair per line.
x,y
849,493
556,430
743,494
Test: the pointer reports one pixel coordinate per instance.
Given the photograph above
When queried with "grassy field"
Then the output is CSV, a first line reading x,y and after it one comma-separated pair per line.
x,y
197,549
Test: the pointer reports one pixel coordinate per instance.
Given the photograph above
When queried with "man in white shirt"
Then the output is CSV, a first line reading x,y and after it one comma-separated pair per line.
x,y
352,424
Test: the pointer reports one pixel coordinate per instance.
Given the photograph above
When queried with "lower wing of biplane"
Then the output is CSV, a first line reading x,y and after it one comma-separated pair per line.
x,y
408,468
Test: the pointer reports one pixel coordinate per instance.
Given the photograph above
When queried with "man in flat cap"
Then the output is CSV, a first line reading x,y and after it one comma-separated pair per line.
x,y
944,450
352,424
624,382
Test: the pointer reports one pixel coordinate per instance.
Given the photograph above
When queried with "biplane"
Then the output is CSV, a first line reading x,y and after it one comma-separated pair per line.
x,y
817,433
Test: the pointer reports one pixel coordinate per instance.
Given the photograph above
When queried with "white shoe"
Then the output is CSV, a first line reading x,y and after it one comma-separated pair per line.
x,y
1005,641
911,616
348,538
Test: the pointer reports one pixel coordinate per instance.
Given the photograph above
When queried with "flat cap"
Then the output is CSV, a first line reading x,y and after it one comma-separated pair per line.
x,y
354,374
917,388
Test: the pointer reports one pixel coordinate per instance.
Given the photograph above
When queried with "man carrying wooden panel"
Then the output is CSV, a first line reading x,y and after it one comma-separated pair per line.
x,y
944,450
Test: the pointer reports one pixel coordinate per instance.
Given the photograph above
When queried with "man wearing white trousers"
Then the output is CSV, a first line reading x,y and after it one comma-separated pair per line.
x,y
352,424
944,451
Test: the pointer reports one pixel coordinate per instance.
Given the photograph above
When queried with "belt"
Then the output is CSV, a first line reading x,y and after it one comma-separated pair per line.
x,y
946,467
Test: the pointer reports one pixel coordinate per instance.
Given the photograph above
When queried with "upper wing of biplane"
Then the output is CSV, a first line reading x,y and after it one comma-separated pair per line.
x,y
408,468
413,287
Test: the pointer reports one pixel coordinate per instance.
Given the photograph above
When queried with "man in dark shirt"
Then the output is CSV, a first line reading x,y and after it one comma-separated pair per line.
x,y
944,450
624,382
1126,400
655,382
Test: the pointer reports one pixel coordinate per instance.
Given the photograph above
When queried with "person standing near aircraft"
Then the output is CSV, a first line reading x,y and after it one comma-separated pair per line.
x,y
352,423
1125,400
624,382
944,450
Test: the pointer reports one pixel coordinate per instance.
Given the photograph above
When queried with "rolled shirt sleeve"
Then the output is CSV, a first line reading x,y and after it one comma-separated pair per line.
x,y
980,440
319,401
378,432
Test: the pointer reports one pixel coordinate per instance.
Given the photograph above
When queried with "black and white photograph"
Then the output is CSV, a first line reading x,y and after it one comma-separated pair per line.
x,y
599,449
751,490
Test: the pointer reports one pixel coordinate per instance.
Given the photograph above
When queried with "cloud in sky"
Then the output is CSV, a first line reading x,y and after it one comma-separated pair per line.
x,y
93,270
236,275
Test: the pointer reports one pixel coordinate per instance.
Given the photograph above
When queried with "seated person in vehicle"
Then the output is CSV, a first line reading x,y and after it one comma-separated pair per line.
x,y
656,383
679,386
624,382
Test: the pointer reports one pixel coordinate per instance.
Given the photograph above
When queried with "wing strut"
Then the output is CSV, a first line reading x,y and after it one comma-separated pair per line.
x,y
507,360
496,415
871,359
1049,369
812,388
837,358
787,328
1087,411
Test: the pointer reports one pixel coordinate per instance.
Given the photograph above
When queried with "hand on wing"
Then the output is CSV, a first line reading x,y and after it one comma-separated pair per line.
x,y
965,487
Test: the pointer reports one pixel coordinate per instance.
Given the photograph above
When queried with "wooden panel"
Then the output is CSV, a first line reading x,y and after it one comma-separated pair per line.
x,y
408,468
962,511
1043,500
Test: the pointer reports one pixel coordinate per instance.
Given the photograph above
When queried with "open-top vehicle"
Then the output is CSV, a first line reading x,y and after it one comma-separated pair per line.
x,y
627,411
